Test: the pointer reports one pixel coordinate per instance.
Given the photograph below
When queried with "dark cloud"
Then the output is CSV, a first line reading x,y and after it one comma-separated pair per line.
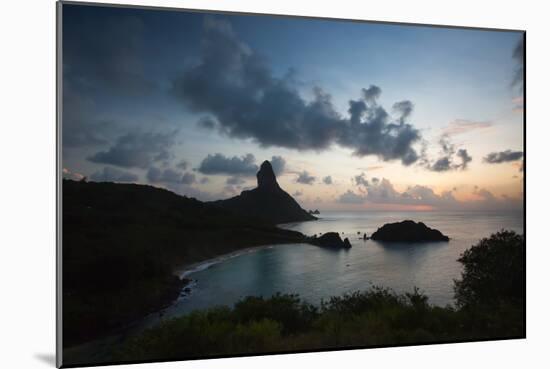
x,y
327,180
206,122
518,55
238,88
234,166
441,165
446,161
404,108
503,156
138,150
464,157
109,174
156,175
360,180
80,124
305,178
372,93
278,164
188,178
169,176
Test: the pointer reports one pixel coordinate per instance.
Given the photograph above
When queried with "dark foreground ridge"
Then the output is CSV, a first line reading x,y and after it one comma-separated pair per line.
x,y
268,202
121,243
408,231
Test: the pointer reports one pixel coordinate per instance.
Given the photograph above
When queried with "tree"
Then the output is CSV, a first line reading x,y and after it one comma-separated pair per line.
x,y
494,272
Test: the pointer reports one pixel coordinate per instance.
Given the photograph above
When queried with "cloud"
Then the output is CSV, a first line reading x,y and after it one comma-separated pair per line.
x,y
105,53
155,175
138,150
460,126
230,191
503,156
235,181
67,174
484,194
305,178
220,164
441,165
188,178
350,197
182,165
81,127
518,104
206,122
372,93
360,180
518,56
169,176
109,174
446,161
246,100
465,157
327,180
382,192
404,108
278,164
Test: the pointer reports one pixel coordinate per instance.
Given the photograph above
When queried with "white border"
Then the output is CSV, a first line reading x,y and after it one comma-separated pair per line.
x,y
28,189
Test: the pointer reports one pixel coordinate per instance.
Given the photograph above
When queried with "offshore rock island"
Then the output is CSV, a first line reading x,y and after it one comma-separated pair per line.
x,y
407,231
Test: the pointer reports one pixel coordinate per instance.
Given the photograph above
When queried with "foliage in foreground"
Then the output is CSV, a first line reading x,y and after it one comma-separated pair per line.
x,y
490,305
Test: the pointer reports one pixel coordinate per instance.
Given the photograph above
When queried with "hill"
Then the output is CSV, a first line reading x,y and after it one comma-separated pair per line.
x,y
121,243
268,202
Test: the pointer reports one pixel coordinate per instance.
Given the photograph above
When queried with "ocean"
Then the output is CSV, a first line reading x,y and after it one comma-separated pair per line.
x,y
317,273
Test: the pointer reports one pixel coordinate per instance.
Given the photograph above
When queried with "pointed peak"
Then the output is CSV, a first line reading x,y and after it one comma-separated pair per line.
x,y
266,176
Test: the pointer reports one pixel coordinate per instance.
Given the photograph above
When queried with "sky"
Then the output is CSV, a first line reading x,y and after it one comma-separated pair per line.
x,y
353,115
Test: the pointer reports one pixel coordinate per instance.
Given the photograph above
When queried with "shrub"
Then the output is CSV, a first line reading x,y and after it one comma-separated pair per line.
x,y
494,272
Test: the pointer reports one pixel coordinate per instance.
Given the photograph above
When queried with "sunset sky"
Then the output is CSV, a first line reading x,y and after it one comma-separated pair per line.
x,y
352,115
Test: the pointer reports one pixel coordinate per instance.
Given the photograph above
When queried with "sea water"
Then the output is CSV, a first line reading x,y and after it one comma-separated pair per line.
x,y
316,273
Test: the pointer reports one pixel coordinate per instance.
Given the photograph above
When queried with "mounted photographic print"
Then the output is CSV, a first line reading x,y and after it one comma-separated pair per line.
x,y
245,184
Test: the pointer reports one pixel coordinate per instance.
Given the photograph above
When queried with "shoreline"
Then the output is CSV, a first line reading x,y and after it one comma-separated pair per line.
x,y
185,270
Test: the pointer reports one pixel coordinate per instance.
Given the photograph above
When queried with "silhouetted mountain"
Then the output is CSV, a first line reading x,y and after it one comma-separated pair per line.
x,y
268,202
408,231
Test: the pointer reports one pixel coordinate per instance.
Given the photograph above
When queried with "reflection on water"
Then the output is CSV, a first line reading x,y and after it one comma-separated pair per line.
x,y
317,273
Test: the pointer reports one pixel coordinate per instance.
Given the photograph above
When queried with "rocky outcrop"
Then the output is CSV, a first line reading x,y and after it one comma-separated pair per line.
x,y
332,240
408,231
268,202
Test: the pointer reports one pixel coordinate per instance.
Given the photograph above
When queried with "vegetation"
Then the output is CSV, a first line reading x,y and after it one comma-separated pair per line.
x,y
490,305
121,243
